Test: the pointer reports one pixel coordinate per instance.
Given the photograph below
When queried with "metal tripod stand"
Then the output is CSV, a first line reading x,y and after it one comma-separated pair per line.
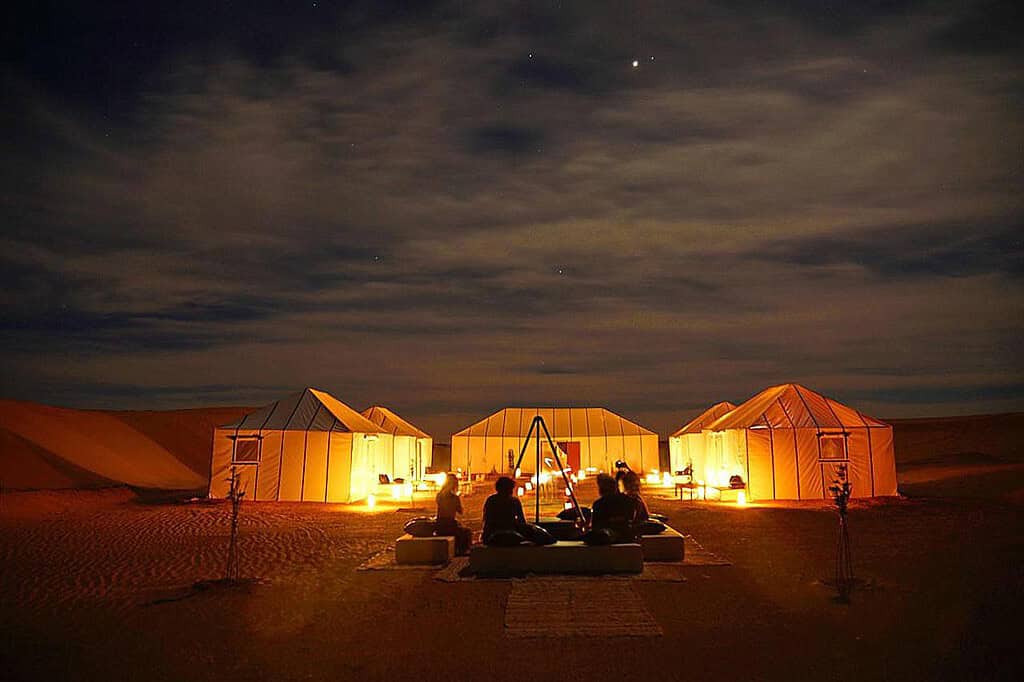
x,y
536,426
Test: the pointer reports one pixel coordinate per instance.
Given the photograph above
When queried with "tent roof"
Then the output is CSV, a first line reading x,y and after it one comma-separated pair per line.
x,y
792,406
561,422
391,422
307,410
698,423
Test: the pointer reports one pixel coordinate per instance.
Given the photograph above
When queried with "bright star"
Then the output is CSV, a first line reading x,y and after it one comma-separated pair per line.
x,y
636,63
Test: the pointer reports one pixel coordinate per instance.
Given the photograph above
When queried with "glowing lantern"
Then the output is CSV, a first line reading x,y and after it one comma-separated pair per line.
x,y
581,475
572,477
519,491
529,486
396,492
567,505
653,478
533,479
666,479
371,501
545,478
741,499
568,493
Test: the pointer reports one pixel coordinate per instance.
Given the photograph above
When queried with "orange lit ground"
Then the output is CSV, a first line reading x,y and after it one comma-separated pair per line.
x,y
78,567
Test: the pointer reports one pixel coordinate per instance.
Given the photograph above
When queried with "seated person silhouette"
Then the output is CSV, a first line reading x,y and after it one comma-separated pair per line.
x,y
503,514
504,521
631,488
612,515
449,505
643,523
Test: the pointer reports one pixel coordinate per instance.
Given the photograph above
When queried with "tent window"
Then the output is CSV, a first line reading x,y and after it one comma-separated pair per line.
x,y
246,451
833,446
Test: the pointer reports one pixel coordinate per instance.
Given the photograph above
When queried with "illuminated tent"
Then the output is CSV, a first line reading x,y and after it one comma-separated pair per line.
x,y
787,442
589,437
411,448
308,446
686,446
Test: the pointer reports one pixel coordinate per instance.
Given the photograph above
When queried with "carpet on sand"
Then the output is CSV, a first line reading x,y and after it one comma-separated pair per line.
x,y
565,608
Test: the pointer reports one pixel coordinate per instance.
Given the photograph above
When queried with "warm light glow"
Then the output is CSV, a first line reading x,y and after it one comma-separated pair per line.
x,y
636,64
653,478
666,479
407,490
568,505
439,479
519,491
545,478
529,486
396,492
568,492
573,478
371,501
519,472
421,486
533,480
741,499
582,475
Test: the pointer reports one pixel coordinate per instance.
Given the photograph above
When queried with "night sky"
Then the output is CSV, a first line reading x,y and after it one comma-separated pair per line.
x,y
461,206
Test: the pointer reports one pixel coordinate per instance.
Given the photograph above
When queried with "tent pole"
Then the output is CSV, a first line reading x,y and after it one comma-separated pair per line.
x,y
537,505
522,451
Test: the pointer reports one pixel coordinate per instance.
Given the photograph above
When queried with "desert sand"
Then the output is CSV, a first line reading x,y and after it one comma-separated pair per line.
x,y
95,585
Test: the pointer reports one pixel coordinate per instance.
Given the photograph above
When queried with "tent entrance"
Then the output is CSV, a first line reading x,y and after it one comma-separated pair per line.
x,y
572,453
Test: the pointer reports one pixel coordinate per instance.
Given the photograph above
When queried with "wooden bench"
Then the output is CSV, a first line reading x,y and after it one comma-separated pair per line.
x,y
564,557
665,546
432,550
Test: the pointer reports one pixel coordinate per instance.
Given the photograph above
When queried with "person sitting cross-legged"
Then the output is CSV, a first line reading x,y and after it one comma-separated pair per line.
x,y
612,515
504,521
503,515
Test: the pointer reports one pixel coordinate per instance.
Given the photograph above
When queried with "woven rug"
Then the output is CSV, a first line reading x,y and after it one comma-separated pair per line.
x,y
458,571
673,572
543,607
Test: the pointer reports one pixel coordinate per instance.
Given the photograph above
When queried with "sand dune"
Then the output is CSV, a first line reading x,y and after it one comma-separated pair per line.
x,y
43,447
970,440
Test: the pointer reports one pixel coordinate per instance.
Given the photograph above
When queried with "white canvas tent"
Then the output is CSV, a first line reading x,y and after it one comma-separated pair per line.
x,y
686,446
589,437
308,446
787,442
411,451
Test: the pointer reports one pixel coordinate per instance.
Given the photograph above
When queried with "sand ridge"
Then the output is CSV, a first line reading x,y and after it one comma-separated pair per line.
x,y
44,447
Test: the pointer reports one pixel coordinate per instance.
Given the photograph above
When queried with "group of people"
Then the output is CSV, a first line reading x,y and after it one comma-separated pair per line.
x,y
619,514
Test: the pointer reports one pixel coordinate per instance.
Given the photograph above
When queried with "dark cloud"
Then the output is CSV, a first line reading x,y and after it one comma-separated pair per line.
x,y
951,250
990,27
546,72
506,139
450,208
